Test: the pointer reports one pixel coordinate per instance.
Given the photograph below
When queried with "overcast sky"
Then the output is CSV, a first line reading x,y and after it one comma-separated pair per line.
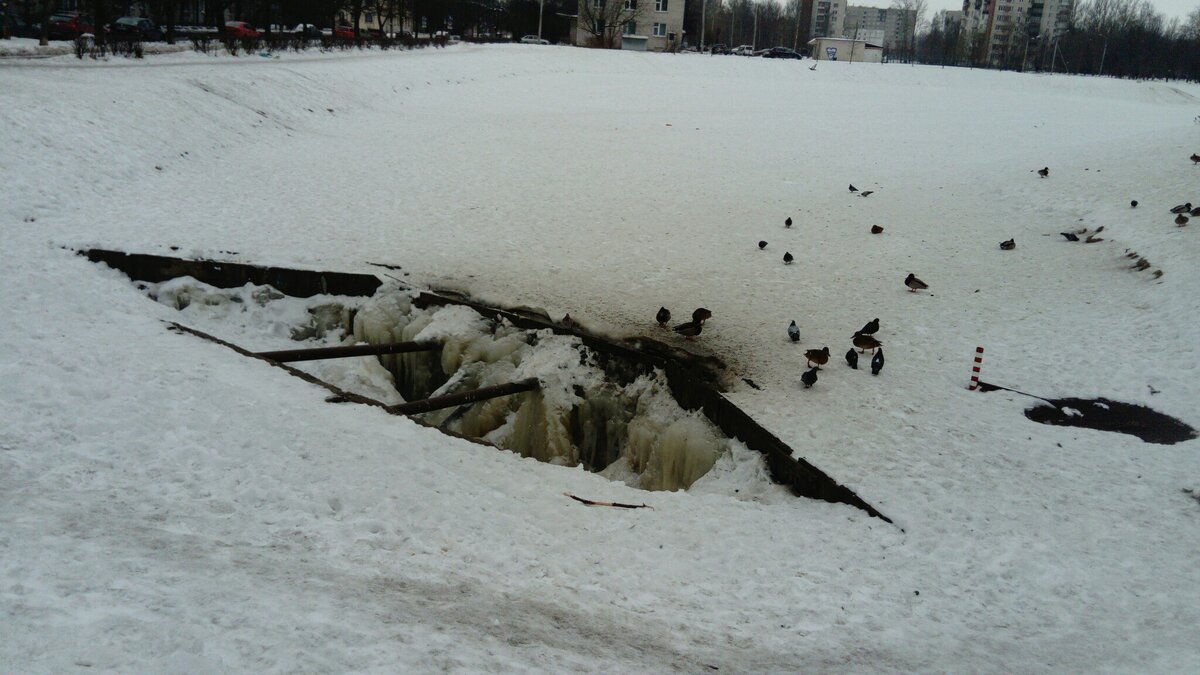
x,y
1170,8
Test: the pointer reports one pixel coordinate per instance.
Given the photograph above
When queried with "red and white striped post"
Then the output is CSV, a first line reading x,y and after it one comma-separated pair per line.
x,y
975,369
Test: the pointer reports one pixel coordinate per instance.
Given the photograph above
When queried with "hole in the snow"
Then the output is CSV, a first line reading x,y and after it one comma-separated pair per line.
x,y
638,410
1104,415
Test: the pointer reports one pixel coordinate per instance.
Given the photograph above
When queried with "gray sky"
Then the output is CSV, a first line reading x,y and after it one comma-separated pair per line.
x,y
1170,8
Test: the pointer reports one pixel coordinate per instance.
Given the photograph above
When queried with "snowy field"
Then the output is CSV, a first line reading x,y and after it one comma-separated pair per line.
x,y
167,505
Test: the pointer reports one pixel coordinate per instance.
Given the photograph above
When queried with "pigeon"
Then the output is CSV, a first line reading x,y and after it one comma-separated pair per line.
x,y
871,328
1008,245
817,356
865,342
1070,236
914,284
788,222
794,331
1133,204
852,358
814,66
1182,207
663,317
762,245
809,378
1181,220
877,362
852,188
1158,274
866,193
1195,159
1044,171
787,258
875,229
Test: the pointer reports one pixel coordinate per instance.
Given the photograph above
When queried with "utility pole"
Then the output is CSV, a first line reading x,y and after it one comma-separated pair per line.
x,y
703,7
541,8
754,38
1054,58
796,37
1103,54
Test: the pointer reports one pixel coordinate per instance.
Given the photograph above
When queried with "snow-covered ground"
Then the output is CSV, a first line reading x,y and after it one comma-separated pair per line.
x,y
167,505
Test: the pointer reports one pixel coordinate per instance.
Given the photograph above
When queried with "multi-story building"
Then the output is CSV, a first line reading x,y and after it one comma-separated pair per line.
x,y
655,25
828,18
1002,30
891,26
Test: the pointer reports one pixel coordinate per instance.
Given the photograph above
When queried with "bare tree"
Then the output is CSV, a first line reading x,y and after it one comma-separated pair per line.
x,y
604,20
913,21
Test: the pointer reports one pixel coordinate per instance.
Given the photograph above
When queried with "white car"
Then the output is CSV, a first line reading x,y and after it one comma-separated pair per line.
x,y
533,40
743,50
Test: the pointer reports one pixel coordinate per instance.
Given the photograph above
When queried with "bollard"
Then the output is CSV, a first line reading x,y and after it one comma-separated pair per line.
x,y
975,369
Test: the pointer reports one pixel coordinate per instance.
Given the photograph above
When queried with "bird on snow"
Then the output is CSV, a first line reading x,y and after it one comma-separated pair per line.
x,y
1182,207
1133,204
866,193
1070,236
875,229
762,245
663,317
865,342
1196,211
817,356
1092,239
852,188
814,66
1044,171
809,377
1008,245
1181,220
1195,158
692,328
788,222
914,284
877,362
787,258
871,328
568,321
1141,264
794,331
852,358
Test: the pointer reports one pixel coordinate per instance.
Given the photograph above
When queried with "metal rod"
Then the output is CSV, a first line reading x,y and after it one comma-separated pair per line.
x,y
314,354
482,394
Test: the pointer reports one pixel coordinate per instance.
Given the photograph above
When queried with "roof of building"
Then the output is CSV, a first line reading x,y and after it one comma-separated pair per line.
x,y
869,45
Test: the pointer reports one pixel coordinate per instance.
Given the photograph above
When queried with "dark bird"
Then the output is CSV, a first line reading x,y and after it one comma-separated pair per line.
x,y
914,284
1044,171
1182,208
871,328
1070,236
1181,220
875,229
663,317
1196,211
817,356
814,66
866,193
787,258
788,222
762,245
690,329
1133,204
568,321
1092,239
865,342
700,314
794,331
1141,264
877,362
1195,158
1008,245
852,188
1158,274
852,359
809,378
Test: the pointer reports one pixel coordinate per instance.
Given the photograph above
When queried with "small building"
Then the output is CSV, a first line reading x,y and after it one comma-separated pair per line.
x,y
845,49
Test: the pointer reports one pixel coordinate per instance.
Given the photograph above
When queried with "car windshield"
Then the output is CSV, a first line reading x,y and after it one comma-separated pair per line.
x,y
63,17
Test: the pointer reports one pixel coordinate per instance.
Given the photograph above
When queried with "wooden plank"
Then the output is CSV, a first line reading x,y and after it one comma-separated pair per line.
x,y
318,353
474,396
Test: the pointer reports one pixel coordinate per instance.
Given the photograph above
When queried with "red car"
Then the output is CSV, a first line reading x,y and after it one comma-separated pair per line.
x,y
69,25
343,32
239,29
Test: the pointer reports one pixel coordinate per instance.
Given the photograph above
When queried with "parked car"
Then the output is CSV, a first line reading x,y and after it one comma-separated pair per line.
x,y
239,29
69,25
782,53
743,50
720,49
306,30
533,40
343,32
17,26
134,28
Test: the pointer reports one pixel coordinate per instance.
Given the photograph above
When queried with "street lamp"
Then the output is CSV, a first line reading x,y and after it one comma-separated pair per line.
x,y
541,8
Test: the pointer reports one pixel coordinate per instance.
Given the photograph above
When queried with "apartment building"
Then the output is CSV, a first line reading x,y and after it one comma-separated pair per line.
x,y
828,18
1001,28
652,25
891,27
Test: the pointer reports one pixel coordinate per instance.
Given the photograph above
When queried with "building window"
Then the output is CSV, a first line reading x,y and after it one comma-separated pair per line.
x,y
660,30
598,26
660,5
630,28
597,4
369,17
630,4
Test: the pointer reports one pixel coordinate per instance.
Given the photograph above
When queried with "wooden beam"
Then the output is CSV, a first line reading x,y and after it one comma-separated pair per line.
x,y
482,394
317,353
